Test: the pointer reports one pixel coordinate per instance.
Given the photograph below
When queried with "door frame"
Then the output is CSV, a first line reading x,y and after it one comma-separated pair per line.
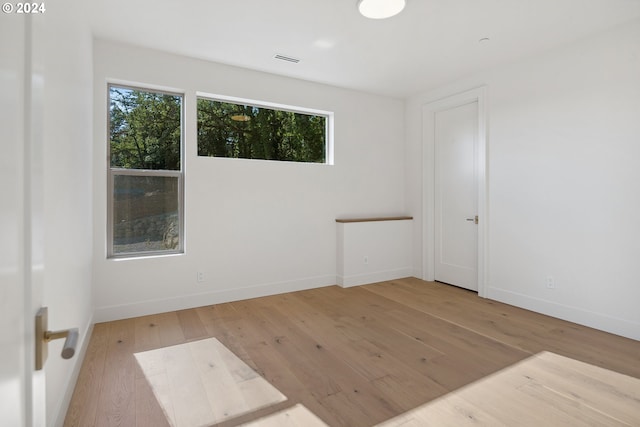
x,y
429,109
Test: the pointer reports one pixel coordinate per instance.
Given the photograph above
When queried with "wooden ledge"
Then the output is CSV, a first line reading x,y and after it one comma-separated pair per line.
x,y
382,218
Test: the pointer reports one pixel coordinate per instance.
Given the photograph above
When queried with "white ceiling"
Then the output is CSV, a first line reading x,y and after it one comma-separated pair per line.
x,y
432,42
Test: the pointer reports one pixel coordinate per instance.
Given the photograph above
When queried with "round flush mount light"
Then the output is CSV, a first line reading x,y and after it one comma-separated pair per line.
x,y
380,9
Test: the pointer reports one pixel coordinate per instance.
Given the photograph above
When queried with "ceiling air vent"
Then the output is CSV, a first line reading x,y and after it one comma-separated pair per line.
x,y
286,58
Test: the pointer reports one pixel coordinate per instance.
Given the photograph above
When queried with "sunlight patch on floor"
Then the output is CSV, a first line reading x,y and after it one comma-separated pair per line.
x,y
202,383
543,390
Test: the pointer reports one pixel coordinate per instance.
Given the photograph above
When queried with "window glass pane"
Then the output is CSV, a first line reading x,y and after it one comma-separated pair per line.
x,y
249,132
145,214
144,129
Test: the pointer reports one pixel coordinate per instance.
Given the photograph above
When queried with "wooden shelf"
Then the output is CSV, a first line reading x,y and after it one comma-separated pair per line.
x,y
383,218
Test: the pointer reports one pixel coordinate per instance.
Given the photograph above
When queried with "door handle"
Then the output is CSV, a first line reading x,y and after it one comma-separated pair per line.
x,y
474,219
43,336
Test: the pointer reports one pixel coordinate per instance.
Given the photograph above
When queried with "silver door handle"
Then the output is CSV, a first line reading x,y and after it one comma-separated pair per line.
x,y
474,219
43,336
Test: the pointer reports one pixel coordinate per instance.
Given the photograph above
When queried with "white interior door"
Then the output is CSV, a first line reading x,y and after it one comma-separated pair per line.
x,y
456,195
13,405
22,389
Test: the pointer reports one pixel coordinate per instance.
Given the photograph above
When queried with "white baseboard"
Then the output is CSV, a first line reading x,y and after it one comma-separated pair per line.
x,y
374,277
603,322
143,308
61,413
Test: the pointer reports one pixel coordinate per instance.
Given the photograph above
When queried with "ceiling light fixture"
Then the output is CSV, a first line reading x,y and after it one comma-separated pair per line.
x,y
380,9
240,117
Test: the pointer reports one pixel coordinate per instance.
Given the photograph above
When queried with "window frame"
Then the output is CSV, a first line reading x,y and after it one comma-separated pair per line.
x,y
112,172
329,115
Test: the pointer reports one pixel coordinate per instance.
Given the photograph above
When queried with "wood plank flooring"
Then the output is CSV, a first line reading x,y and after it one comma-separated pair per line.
x,y
201,383
353,357
545,389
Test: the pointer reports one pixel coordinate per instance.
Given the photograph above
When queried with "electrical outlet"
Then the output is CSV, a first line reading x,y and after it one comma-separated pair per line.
x,y
551,283
200,276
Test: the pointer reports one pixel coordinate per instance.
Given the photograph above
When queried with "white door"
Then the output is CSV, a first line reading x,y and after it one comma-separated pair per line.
x,y
456,195
21,389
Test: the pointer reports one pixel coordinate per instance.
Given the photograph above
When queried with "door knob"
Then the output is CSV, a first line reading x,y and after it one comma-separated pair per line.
x,y
475,219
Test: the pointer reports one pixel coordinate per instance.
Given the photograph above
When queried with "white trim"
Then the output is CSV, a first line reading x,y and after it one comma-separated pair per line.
x,y
378,276
70,385
478,95
135,85
181,302
573,314
267,104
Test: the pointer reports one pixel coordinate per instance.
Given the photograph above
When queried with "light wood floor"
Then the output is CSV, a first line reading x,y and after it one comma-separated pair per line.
x,y
353,357
543,390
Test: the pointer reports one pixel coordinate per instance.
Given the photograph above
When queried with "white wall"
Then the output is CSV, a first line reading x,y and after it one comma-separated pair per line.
x,y
253,227
67,192
564,181
374,251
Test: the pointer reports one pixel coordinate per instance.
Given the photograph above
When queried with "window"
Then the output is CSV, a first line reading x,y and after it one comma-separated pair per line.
x,y
145,213
239,129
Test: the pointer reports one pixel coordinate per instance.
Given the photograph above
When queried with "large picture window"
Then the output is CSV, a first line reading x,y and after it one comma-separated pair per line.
x,y
247,130
145,215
